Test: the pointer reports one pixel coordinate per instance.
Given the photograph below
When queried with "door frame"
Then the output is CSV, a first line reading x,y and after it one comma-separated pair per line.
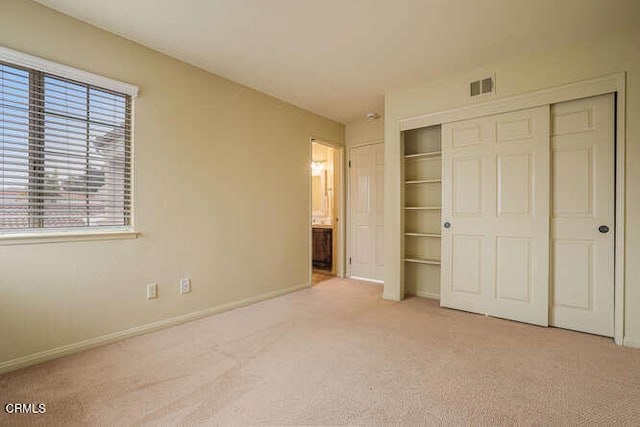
x,y
612,83
338,239
348,208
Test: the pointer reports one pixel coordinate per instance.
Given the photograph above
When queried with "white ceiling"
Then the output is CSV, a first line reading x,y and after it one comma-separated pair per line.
x,y
338,57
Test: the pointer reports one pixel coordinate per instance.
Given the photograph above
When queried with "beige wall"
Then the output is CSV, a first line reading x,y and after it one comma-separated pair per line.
x,y
363,131
221,196
615,53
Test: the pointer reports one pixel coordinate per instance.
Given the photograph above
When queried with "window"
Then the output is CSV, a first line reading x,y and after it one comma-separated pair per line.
x,y
65,153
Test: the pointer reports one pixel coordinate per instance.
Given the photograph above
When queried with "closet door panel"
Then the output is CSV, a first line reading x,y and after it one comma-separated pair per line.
x,y
467,186
521,219
514,268
466,249
582,143
466,263
496,201
514,185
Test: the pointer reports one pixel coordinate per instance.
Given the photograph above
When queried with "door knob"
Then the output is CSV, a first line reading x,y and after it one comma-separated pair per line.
x,y
603,229
447,224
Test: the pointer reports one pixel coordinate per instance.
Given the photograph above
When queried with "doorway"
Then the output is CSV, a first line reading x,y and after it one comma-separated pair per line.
x,y
325,233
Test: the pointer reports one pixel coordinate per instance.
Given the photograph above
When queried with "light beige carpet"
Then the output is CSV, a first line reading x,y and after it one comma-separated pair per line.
x,y
335,354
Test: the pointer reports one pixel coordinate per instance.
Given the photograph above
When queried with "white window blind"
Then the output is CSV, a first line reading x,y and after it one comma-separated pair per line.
x,y
65,152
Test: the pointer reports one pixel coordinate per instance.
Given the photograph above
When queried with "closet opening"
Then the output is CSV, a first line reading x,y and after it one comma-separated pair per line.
x,y
324,213
488,172
513,215
422,206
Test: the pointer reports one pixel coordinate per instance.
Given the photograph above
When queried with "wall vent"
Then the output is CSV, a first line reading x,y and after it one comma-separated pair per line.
x,y
484,86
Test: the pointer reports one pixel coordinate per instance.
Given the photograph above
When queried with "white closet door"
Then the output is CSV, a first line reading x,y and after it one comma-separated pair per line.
x,y
583,200
366,202
495,255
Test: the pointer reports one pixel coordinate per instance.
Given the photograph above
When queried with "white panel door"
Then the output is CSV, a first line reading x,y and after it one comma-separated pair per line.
x,y
582,257
495,254
366,204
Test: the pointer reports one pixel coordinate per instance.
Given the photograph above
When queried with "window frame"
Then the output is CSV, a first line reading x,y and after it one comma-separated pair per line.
x,y
38,69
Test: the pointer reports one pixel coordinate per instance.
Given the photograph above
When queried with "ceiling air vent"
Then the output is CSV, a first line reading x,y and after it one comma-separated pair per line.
x,y
482,87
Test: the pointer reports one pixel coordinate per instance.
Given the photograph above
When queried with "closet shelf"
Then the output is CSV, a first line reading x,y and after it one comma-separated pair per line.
x,y
423,208
424,181
423,235
423,261
418,155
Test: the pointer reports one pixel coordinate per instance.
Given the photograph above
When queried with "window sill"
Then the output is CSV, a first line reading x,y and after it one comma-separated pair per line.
x,y
65,236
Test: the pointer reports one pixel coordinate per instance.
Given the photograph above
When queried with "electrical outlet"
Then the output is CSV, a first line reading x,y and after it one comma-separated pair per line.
x,y
152,290
185,285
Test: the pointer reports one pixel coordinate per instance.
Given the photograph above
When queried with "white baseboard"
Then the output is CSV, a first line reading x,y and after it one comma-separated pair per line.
x,y
424,294
390,297
366,280
54,353
631,342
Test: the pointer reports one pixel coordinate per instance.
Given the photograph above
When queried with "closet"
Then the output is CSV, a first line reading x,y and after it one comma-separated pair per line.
x,y
512,215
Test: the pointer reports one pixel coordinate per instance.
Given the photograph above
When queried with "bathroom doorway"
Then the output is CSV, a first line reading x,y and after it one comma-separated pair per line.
x,y
325,233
